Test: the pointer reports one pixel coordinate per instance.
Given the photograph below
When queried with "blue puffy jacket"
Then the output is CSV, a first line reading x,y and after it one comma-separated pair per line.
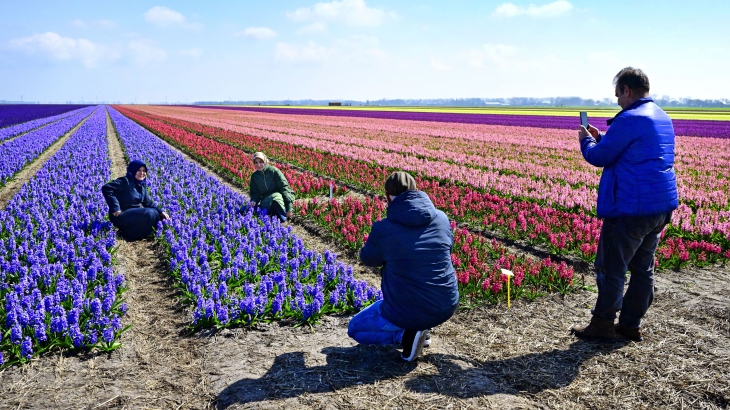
x,y
414,243
637,156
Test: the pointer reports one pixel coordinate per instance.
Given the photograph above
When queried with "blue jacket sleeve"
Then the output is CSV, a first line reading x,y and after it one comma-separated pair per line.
x,y
109,191
372,253
612,144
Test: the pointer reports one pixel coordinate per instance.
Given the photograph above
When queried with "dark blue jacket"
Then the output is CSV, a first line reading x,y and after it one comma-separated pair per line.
x,y
122,194
413,244
637,156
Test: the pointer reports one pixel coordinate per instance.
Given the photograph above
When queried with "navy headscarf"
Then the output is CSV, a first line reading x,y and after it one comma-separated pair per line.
x,y
132,169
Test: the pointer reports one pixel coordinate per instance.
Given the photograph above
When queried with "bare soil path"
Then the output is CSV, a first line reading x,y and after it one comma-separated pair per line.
x,y
13,186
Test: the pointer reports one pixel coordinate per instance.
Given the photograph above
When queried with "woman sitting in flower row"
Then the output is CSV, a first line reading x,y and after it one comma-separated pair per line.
x,y
134,213
269,189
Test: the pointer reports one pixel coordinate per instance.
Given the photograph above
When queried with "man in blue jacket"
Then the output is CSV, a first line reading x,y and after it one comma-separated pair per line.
x,y
636,197
413,247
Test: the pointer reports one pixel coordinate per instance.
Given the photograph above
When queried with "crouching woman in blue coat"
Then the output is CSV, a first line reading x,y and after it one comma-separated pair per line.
x,y
413,247
130,208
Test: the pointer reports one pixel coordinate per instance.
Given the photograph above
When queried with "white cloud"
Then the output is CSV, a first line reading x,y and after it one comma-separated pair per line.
x,y
361,50
350,12
194,53
358,41
301,54
498,54
162,16
98,24
318,27
145,52
509,60
79,24
261,33
554,9
439,66
106,24
65,48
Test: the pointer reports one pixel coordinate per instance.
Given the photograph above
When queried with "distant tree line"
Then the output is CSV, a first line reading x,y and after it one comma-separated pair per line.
x,y
664,101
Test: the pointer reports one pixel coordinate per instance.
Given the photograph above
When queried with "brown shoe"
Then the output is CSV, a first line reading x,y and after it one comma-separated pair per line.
x,y
597,329
631,334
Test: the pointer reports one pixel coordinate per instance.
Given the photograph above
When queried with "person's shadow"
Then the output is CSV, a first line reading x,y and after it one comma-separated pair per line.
x,y
347,366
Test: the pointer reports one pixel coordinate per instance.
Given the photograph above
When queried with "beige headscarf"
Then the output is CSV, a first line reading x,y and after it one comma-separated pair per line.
x,y
262,156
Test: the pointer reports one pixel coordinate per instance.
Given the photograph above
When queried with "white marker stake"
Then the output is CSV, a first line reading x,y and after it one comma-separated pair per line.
x,y
330,190
509,279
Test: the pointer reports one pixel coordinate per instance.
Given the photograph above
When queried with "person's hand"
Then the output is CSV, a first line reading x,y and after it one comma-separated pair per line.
x,y
253,203
583,133
288,215
165,216
117,213
594,131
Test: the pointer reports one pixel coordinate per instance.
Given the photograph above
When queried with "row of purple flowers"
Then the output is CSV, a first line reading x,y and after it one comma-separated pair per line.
x,y
11,114
57,285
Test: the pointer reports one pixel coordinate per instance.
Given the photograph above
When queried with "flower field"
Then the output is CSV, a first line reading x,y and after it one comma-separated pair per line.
x,y
15,154
57,285
234,267
526,183
350,221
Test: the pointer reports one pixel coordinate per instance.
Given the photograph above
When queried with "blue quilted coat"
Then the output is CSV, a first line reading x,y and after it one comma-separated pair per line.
x,y
413,245
637,156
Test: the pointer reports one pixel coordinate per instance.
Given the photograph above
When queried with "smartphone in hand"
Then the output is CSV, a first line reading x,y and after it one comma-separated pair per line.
x,y
584,119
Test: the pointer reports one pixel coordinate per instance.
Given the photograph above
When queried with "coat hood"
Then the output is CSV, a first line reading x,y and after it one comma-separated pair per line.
x,y
412,208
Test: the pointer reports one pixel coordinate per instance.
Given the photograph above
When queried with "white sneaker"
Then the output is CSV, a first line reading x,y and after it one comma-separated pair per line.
x,y
413,344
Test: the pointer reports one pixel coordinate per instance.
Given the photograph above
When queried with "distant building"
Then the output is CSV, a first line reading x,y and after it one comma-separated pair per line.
x,y
335,104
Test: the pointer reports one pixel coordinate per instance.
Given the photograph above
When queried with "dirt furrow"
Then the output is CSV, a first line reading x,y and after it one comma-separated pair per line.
x,y
13,186
160,357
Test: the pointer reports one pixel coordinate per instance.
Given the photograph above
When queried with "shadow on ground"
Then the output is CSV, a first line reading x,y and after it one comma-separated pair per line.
x,y
452,375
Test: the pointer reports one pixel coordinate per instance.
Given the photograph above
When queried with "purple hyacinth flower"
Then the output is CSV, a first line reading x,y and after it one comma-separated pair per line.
x,y
40,333
108,334
26,349
95,307
16,334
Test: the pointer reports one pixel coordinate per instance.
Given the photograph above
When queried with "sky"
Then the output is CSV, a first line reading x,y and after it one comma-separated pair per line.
x,y
186,51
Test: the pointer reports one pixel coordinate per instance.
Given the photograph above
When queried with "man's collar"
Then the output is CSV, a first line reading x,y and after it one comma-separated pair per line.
x,y
635,104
